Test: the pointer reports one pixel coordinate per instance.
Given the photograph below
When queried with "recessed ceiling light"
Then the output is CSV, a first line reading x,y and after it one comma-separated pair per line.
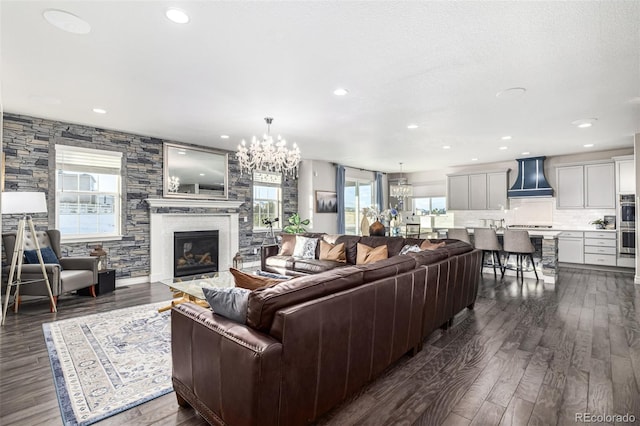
x,y
583,123
340,92
201,174
446,147
66,21
99,111
224,136
503,147
176,15
182,153
474,159
412,126
510,93
506,138
526,153
588,145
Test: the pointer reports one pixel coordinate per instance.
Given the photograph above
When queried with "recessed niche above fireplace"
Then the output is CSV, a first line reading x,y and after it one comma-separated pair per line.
x,y
195,252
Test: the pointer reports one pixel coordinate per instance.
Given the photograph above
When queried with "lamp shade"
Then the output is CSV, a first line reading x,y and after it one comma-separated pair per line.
x,y
23,202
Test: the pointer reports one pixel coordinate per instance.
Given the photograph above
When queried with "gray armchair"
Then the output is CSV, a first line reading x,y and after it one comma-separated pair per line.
x,y
76,273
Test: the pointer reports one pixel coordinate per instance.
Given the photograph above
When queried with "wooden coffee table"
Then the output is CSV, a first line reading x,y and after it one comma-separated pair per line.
x,y
189,289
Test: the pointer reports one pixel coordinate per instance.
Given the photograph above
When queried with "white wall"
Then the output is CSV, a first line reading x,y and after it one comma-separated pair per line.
x,y
316,175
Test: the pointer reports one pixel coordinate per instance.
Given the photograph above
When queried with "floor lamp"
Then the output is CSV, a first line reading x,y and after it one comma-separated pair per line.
x,y
23,203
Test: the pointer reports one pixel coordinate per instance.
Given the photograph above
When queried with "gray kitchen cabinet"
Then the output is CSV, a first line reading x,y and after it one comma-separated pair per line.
x,y
590,186
625,175
497,185
570,187
571,247
599,186
477,191
458,192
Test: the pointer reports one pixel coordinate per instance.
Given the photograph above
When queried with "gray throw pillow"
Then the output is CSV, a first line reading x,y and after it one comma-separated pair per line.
x,y
305,247
229,302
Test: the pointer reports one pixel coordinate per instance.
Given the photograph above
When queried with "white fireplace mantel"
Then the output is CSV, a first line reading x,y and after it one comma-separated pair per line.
x,y
163,226
185,202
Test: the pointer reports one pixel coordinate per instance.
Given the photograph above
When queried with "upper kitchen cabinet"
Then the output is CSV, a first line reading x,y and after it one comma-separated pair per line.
x,y
625,174
477,191
585,186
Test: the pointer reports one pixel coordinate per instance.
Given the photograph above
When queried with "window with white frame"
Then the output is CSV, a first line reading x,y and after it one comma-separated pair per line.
x,y
267,199
88,193
429,205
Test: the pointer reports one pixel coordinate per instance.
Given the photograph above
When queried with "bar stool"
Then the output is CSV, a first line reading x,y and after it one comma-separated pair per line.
x,y
486,240
459,234
412,230
518,242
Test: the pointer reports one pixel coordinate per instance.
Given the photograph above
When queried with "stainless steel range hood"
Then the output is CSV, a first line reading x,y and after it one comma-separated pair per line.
x,y
531,181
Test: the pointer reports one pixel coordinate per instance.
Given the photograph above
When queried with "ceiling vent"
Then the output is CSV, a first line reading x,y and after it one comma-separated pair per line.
x,y
531,181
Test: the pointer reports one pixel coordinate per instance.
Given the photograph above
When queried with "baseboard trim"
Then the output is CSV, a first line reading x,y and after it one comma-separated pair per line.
x,y
123,282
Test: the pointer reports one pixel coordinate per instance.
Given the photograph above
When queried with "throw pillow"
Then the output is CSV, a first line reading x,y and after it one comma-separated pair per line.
x,y
48,256
334,252
366,254
305,247
288,244
410,248
250,281
229,302
428,245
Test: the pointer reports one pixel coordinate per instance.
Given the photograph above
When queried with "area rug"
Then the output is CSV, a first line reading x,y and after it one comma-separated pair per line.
x,y
109,362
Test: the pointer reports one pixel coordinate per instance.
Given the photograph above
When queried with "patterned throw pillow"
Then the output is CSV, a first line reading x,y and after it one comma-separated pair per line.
x,y
410,248
305,247
366,254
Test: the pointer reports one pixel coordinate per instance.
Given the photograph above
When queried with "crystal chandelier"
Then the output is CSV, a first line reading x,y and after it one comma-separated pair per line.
x,y
269,154
402,188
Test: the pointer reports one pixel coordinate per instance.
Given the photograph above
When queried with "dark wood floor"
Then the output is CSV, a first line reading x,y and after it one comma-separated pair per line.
x,y
530,353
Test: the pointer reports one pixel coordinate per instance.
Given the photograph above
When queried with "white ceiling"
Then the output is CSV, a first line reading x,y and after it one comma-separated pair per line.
x,y
436,64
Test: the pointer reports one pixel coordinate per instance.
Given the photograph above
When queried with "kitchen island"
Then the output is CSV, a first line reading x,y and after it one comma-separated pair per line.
x,y
545,257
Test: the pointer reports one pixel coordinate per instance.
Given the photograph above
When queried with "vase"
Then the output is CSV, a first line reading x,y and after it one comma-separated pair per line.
x,y
364,226
377,229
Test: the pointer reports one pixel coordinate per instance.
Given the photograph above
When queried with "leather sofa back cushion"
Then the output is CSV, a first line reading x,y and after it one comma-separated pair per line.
x,y
457,247
332,252
429,257
368,254
394,244
288,244
250,281
395,265
266,301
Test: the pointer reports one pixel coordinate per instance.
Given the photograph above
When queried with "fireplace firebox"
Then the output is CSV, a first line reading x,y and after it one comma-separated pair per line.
x,y
195,252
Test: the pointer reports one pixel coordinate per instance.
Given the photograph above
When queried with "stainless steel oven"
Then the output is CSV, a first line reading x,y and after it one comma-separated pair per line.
x,y
627,211
627,241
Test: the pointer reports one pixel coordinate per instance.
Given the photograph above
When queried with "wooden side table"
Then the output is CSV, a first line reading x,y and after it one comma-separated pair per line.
x,y
106,283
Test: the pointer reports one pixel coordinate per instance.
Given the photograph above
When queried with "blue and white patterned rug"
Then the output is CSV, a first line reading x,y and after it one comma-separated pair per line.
x,y
109,362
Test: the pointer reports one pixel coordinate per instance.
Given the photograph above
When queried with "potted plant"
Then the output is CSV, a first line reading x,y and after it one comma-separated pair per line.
x,y
599,223
296,225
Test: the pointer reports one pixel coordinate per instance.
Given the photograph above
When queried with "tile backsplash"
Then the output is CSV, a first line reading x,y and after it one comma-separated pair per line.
x,y
533,211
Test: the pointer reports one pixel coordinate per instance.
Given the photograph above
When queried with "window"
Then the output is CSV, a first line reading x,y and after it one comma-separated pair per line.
x,y
358,195
88,193
267,199
430,205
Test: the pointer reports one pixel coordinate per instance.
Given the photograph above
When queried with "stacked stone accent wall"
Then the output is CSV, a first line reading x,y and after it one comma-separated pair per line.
x,y
29,144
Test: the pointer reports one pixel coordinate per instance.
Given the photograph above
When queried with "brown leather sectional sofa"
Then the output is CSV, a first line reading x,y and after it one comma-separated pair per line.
x,y
311,342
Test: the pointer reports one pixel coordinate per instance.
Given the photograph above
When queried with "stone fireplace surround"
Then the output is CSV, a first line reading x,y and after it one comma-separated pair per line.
x,y
163,225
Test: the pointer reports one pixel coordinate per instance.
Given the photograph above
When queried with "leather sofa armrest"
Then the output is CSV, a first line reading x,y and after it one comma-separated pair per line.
x,y
225,370
267,251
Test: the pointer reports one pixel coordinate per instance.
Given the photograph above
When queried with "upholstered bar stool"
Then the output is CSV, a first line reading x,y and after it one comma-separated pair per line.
x,y
459,234
518,242
486,240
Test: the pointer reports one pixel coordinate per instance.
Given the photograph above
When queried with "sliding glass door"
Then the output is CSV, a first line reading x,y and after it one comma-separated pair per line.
x,y
358,195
